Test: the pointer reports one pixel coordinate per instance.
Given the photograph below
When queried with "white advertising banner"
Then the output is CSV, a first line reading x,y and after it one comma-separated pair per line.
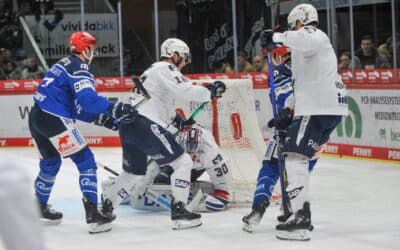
x,y
374,119
53,42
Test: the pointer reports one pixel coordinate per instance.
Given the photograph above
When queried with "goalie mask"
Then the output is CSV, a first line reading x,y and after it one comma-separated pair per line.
x,y
190,139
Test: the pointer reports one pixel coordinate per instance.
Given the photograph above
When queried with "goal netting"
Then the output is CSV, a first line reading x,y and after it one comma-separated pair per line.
x,y
234,123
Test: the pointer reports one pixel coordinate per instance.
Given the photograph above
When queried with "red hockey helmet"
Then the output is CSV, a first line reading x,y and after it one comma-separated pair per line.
x,y
80,40
281,50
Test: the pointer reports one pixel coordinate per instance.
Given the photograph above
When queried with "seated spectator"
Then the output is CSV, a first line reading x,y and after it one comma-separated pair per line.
x,y
243,64
4,56
386,48
11,71
221,67
32,70
369,57
345,61
259,64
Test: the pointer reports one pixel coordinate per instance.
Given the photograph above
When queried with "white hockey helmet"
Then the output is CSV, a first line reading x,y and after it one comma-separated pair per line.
x,y
172,45
305,13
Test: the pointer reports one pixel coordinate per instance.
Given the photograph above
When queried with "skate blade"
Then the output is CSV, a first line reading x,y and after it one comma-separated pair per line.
x,y
299,235
48,222
249,227
95,228
185,224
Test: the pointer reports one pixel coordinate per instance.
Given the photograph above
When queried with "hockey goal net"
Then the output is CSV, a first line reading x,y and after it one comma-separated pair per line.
x,y
234,123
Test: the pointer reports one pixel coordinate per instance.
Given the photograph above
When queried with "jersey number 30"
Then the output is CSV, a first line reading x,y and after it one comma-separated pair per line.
x,y
220,170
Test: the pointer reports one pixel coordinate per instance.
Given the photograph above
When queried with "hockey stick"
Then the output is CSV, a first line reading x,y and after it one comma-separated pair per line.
x,y
281,160
274,7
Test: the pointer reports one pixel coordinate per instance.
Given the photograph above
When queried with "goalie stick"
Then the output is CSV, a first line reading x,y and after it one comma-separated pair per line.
x,y
158,198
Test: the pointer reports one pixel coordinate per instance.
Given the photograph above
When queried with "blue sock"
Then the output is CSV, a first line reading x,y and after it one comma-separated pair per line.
x,y
267,177
86,164
45,180
88,185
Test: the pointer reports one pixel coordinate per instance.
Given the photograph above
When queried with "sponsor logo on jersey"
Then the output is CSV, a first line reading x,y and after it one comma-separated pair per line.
x,y
85,182
294,193
78,137
313,144
41,186
83,84
40,97
181,183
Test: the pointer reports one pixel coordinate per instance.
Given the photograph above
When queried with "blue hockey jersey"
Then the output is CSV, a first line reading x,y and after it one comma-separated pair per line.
x,y
67,90
283,87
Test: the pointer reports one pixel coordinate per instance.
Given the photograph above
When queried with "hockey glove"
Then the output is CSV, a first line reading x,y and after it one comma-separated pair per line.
x,y
216,88
217,200
106,120
266,38
181,123
123,112
282,120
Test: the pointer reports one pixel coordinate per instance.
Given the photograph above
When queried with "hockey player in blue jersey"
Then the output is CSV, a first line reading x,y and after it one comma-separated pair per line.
x,y
269,172
67,94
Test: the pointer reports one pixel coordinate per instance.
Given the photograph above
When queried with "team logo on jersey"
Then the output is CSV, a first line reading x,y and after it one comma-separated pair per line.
x,y
83,84
63,143
181,183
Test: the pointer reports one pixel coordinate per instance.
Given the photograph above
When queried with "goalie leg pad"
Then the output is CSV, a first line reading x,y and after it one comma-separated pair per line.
x,y
123,185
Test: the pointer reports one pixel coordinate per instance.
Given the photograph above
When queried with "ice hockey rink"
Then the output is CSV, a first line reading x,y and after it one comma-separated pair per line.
x,y
355,205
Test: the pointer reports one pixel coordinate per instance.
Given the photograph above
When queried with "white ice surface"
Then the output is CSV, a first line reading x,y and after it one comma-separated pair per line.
x,y
355,205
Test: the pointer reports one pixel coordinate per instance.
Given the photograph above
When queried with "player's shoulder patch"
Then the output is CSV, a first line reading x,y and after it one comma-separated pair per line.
x,y
65,61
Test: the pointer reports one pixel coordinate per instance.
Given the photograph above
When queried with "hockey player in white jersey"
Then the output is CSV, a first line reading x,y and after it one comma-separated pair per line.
x,y
200,144
148,134
320,103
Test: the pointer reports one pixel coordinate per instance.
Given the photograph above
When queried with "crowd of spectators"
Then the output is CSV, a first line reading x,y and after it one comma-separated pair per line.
x,y
16,64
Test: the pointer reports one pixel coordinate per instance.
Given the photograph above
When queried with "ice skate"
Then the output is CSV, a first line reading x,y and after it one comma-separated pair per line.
x,y
96,221
298,228
49,216
182,218
251,220
107,209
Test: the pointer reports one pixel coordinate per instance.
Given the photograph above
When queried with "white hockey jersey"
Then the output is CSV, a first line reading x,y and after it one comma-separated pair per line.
x,y
318,89
165,83
206,155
